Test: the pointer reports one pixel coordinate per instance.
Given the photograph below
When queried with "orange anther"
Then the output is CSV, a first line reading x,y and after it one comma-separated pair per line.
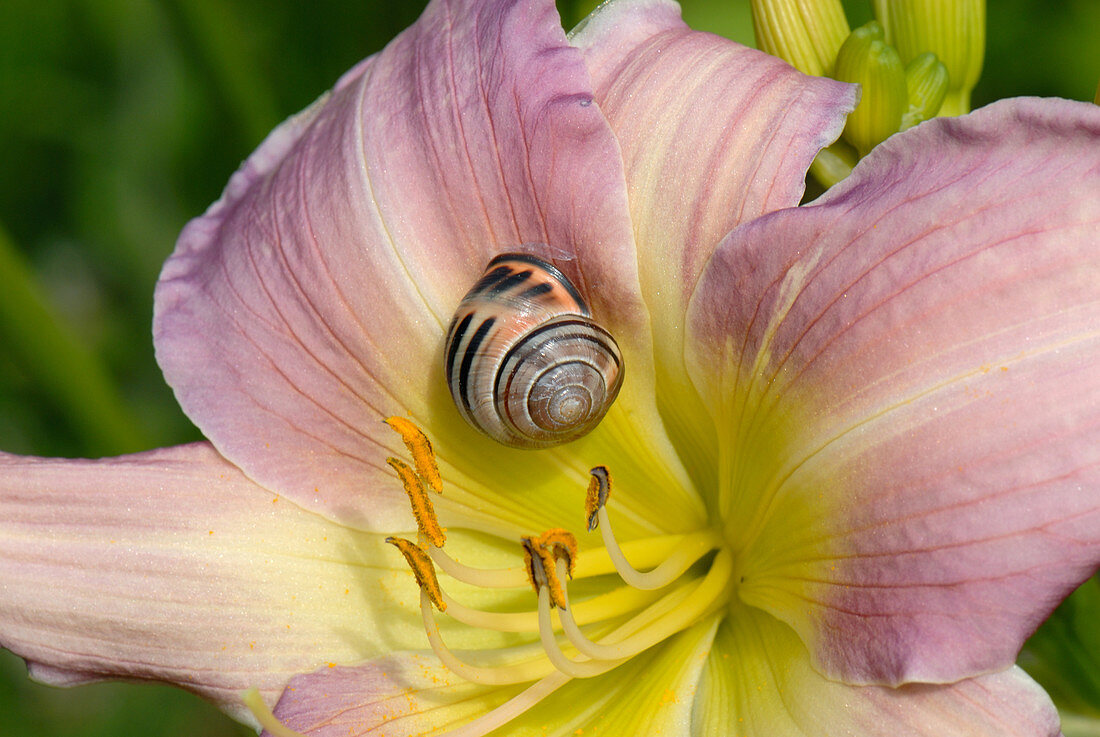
x,y
542,571
562,546
422,508
599,489
421,450
423,569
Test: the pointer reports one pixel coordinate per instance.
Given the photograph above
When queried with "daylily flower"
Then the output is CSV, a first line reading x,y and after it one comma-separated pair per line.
x,y
858,443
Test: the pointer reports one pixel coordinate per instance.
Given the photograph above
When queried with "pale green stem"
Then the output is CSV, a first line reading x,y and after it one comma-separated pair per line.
x,y
957,102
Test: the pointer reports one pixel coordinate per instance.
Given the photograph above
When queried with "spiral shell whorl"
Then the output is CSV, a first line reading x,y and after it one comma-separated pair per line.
x,y
525,363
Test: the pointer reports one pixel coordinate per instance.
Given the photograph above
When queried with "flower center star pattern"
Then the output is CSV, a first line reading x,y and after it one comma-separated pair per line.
x,y
854,462
634,613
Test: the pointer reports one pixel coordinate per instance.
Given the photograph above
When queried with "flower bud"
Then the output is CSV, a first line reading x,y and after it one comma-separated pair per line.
x,y
867,59
804,33
954,30
926,79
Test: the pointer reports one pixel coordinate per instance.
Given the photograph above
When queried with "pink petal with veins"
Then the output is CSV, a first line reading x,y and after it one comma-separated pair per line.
x,y
311,300
172,566
904,375
714,134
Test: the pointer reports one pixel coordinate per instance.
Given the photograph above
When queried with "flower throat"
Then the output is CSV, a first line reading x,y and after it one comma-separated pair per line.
x,y
634,611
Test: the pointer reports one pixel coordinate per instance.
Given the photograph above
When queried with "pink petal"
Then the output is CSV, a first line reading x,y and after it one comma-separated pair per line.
x,y
904,376
713,134
170,565
410,695
406,694
311,300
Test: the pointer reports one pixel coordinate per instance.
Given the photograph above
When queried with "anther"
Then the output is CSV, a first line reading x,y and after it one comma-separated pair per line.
x,y
599,489
422,508
562,546
542,570
421,450
422,569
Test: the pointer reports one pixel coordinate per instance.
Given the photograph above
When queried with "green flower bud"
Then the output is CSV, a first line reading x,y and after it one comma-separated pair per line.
x,y
954,30
804,33
867,59
926,79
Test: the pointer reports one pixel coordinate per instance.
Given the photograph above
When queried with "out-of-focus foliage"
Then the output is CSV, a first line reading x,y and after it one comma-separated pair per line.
x,y
1064,654
121,119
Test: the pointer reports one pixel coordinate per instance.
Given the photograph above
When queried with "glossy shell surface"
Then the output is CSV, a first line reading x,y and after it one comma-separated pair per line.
x,y
526,363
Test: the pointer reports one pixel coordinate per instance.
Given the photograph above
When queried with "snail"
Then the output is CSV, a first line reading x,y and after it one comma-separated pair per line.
x,y
525,362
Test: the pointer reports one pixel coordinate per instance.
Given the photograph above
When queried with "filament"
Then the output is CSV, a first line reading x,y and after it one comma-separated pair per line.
x,y
510,709
646,551
666,617
666,572
571,668
502,675
486,578
649,607
267,720
499,621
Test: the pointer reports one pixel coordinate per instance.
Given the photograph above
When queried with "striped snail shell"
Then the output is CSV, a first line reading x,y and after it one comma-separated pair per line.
x,y
526,364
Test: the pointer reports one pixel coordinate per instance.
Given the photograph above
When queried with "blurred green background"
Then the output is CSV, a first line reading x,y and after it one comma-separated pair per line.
x,y
122,119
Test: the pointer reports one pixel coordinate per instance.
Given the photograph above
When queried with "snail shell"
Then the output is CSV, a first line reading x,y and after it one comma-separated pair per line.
x,y
526,364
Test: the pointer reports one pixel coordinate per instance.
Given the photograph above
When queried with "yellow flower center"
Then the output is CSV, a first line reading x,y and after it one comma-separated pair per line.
x,y
625,611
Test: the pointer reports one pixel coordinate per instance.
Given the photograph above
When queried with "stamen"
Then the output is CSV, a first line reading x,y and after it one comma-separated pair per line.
x,y
648,551
644,551
499,621
636,618
592,649
602,607
512,708
610,647
542,571
421,450
486,578
708,595
673,613
599,608
571,668
562,546
666,572
422,508
599,489
422,568
703,598
267,720
501,675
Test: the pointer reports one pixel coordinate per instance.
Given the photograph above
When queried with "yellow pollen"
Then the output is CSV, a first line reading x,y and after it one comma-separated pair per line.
x,y
679,583
599,489
562,546
422,508
422,569
421,450
542,570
